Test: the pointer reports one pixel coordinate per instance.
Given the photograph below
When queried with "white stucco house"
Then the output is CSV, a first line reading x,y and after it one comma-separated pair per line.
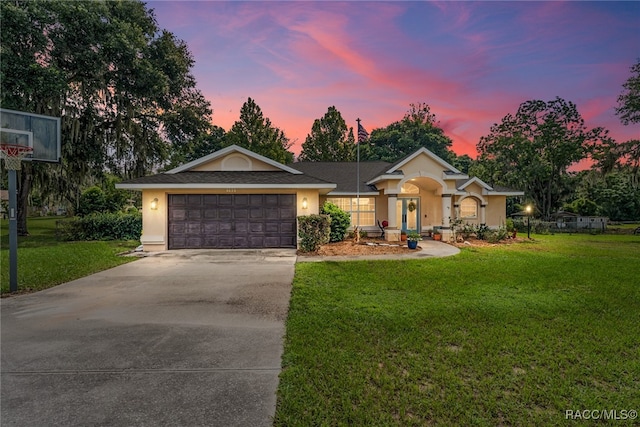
x,y
235,198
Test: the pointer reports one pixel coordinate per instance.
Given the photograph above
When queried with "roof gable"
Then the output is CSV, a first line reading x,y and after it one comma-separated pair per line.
x,y
424,152
233,159
478,181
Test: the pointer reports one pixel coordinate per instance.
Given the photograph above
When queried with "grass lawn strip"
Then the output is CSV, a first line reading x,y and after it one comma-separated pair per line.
x,y
43,261
512,335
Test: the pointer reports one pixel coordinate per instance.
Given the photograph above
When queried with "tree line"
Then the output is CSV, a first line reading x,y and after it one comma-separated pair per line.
x,y
129,106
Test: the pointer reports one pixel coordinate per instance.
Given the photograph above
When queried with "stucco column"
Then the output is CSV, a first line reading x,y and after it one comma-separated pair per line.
x,y
446,210
483,214
392,233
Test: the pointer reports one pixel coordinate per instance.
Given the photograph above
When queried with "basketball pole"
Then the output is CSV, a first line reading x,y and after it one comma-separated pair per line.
x,y
13,231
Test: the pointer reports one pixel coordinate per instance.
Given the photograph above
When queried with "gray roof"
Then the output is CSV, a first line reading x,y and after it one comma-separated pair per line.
x,y
216,177
344,174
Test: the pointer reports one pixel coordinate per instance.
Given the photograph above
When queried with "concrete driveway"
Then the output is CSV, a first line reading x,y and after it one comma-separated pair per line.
x,y
184,338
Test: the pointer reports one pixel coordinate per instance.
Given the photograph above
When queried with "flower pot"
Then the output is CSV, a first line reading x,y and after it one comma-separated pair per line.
x,y
412,244
437,237
403,237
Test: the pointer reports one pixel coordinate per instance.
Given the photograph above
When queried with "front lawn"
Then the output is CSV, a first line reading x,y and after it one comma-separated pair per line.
x,y
43,261
506,335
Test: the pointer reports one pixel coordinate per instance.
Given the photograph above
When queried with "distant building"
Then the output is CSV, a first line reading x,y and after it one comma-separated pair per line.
x,y
572,221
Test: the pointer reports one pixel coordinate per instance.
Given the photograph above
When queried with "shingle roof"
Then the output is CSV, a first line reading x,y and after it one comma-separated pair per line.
x,y
344,174
218,177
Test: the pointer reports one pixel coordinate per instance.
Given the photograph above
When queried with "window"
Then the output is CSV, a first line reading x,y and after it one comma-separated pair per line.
x,y
350,205
469,208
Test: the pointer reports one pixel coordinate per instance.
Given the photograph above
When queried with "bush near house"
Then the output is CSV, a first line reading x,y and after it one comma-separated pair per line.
x,y
314,231
340,221
101,226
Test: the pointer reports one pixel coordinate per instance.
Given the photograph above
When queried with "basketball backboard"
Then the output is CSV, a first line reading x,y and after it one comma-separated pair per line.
x,y
42,133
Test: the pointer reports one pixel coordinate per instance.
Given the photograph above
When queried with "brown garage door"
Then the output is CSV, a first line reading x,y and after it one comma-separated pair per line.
x,y
220,221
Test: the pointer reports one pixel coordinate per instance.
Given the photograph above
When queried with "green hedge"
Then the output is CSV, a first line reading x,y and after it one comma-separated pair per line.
x,y
314,231
101,226
340,221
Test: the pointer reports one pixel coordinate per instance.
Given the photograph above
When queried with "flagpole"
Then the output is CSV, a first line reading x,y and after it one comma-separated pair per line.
x,y
358,182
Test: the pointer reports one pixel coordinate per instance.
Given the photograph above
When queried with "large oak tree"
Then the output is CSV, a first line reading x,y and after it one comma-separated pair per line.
x,y
418,128
534,149
121,85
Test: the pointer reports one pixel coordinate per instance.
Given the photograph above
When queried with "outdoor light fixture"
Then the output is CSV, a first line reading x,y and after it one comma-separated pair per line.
x,y
528,209
154,204
305,204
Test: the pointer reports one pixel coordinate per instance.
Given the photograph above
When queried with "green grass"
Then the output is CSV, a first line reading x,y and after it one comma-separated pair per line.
x,y
43,261
508,335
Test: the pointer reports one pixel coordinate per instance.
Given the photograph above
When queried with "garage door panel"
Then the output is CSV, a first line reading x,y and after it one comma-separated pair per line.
x,y
178,200
288,228
211,227
272,227
256,213
194,200
225,200
287,214
194,214
232,221
178,214
288,241
192,228
256,227
225,242
241,228
194,242
241,213
272,241
210,199
271,213
288,200
225,214
210,213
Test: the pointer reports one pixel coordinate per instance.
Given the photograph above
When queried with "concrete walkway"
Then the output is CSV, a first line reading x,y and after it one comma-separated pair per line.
x,y
187,338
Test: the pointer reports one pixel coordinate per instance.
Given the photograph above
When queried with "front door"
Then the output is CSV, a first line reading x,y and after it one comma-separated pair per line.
x,y
408,214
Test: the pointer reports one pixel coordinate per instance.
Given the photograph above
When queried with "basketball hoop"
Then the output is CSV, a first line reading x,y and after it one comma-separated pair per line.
x,y
13,155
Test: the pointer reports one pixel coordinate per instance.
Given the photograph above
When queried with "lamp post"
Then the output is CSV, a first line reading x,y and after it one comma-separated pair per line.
x,y
528,209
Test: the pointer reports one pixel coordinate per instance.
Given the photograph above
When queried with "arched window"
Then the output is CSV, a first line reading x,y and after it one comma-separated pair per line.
x,y
469,208
408,188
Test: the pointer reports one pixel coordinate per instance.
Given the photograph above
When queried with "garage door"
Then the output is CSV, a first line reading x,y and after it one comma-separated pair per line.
x,y
220,221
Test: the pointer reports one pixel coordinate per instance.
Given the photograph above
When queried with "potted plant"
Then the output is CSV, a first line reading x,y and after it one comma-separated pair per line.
x,y
403,235
437,235
413,239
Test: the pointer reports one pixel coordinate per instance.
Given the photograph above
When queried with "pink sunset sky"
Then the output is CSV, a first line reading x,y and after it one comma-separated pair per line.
x,y
472,62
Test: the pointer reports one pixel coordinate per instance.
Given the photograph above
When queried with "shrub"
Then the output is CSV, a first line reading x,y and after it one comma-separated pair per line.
x,y
494,236
510,225
92,200
482,231
101,226
314,231
340,221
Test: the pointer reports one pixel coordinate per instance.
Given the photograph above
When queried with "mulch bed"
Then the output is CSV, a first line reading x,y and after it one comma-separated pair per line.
x,y
349,247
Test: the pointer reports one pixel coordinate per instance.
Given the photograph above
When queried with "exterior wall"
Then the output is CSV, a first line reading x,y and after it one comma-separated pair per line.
x,y
430,210
496,211
155,223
